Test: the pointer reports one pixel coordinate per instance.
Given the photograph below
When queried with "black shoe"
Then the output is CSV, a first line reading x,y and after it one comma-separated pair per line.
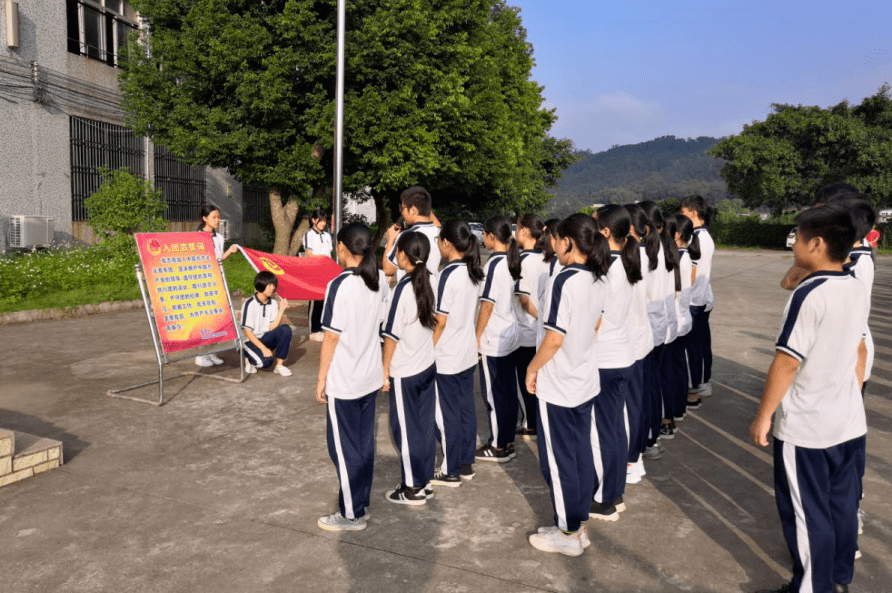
x,y
527,434
467,471
603,512
785,588
490,453
441,479
667,431
406,495
695,405
510,449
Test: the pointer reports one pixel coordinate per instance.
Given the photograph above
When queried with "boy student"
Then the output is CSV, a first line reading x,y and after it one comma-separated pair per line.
x,y
268,338
814,385
415,208
699,343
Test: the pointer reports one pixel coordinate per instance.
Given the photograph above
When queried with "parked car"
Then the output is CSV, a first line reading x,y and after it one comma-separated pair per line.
x,y
477,229
791,239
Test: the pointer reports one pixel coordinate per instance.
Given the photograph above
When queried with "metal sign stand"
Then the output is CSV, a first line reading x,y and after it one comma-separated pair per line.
x,y
163,358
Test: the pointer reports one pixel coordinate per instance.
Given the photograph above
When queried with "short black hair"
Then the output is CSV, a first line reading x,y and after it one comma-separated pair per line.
x,y
863,214
419,197
832,192
264,279
831,222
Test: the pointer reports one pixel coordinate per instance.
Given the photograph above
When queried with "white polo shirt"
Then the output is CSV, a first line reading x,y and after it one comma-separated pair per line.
x,y
656,294
414,343
669,304
456,350
613,346
554,266
257,317
218,244
700,294
501,336
683,298
318,243
532,283
354,312
429,230
861,266
823,325
572,307
640,332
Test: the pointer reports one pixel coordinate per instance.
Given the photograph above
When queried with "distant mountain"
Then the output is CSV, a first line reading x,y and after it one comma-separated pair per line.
x,y
666,167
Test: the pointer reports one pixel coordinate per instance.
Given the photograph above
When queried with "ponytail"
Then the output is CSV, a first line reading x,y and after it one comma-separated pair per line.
x,y
500,227
582,230
357,238
670,227
539,232
616,218
550,227
653,238
458,232
417,249
472,260
688,236
514,258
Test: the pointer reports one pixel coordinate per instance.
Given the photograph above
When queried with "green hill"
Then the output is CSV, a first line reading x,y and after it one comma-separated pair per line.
x,y
666,167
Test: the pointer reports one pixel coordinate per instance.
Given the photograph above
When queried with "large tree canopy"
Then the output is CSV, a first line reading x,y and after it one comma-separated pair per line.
x,y
438,92
782,162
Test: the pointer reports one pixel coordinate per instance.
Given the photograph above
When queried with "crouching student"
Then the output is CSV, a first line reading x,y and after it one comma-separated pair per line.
x,y
268,338
455,350
350,373
409,370
814,386
564,377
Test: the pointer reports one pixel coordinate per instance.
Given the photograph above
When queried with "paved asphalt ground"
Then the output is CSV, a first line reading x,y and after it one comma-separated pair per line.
x,y
220,489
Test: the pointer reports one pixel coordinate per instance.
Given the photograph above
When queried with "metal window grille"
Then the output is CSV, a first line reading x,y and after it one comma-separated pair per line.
x,y
97,144
255,203
182,185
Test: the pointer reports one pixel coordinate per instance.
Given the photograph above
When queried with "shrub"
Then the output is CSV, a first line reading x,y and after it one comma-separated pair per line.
x,y
749,231
124,205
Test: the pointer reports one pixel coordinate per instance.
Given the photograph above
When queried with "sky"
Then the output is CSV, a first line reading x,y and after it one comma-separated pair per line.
x,y
630,71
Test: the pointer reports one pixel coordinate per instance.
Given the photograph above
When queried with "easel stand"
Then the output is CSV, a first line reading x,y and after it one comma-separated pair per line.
x,y
164,358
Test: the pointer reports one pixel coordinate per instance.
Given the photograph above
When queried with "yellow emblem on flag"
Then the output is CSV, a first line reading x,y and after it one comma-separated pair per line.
x,y
272,266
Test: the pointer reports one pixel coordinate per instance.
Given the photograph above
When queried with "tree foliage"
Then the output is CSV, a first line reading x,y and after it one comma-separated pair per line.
x,y
782,162
124,205
438,93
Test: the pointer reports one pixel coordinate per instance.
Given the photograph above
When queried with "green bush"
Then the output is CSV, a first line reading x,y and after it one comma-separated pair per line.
x,y
124,205
748,231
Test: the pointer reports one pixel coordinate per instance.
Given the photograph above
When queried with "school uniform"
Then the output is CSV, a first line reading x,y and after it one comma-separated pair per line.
x,y
319,244
700,342
431,231
678,350
566,387
642,339
614,357
653,363
862,268
257,317
412,386
218,240
820,428
669,368
354,313
456,357
554,266
498,365
534,273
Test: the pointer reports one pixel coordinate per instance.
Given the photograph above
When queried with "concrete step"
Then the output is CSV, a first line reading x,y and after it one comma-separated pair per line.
x,y
23,455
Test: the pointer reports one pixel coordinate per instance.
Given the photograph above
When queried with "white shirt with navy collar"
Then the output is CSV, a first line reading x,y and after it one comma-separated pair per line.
x,y
318,243
414,351
640,331
429,230
613,347
683,299
533,280
500,336
257,316
701,292
456,294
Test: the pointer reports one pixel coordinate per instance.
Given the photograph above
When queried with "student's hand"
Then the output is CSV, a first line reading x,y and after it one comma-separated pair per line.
x,y
531,380
232,249
320,392
759,431
386,385
283,304
392,232
267,353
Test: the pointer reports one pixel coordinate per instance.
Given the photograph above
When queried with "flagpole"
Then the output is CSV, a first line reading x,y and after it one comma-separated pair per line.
x,y
339,123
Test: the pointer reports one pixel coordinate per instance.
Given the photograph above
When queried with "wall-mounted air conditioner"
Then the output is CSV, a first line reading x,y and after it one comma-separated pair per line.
x,y
29,231
223,229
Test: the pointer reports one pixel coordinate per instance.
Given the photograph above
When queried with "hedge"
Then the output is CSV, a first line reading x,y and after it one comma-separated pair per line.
x,y
749,231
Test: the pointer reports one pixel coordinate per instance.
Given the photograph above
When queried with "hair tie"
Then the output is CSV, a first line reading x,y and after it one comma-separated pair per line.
x,y
418,262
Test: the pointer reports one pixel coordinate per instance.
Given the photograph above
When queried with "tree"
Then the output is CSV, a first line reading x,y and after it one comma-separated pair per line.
x,y
437,93
782,161
124,205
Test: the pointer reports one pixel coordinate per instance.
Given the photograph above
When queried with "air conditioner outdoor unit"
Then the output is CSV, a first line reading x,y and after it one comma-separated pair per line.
x,y
29,231
223,229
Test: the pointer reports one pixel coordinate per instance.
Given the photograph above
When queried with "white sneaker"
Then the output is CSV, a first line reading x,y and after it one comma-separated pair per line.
x,y
317,336
203,361
632,476
283,370
249,368
215,359
338,522
705,390
583,534
555,540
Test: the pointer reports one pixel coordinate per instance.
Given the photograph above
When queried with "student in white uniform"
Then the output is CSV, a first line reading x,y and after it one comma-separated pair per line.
x,y
642,338
670,366
351,373
700,341
684,231
554,266
268,338
410,370
317,242
529,292
497,339
415,208
455,349
615,357
813,391
210,222
564,376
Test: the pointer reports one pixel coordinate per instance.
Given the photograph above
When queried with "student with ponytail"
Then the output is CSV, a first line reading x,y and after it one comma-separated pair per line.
x,y
615,358
350,373
409,370
529,292
455,350
683,234
565,378
671,368
551,225
497,339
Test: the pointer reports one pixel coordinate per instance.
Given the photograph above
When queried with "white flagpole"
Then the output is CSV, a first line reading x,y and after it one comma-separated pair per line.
x,y
339,123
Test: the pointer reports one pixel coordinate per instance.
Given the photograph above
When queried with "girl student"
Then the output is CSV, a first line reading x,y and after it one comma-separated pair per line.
x,y
350,373
684,231
554,266
642,337
410,369
317,242
564,376
497,339
673,351
615,358
529,292
210,222
455,350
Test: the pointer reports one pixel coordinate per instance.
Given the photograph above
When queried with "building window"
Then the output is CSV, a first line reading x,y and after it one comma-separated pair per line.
x,y
182,186
255,203
99,28
97,144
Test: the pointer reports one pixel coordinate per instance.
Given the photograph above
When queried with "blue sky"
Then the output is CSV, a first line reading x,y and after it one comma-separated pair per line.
x,y
629,71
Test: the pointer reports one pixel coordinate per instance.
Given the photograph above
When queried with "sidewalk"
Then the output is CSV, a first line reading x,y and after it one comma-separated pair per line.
x,y
220,489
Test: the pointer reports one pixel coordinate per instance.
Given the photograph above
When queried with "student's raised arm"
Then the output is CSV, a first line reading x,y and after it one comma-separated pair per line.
x,y
793,277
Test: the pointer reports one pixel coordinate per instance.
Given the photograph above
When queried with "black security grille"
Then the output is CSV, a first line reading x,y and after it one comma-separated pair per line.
x,y
255,203
181,185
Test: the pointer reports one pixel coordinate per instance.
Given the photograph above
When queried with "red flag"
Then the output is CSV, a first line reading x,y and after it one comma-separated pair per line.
x,y
300,278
